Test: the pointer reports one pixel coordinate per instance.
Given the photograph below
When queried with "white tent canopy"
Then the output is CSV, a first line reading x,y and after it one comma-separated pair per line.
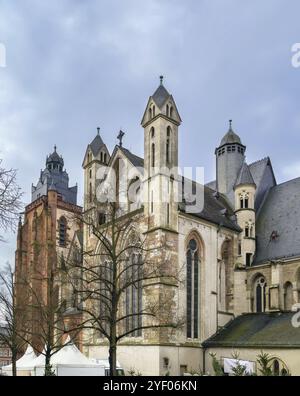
x,y
69,361
24,363
70,354
230,364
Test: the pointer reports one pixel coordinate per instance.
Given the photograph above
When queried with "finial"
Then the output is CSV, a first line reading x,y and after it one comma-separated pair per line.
x,y
98,131
120,137
161,79
55,147
230,124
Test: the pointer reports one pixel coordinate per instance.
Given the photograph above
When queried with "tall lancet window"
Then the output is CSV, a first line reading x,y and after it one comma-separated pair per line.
x,y
192,290
260,294
133,296
168,145
62,229
153,155
90,193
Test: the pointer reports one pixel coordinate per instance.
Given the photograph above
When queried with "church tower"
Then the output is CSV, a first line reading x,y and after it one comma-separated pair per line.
x,y
244,191
96,159
160,122
96,156
230,156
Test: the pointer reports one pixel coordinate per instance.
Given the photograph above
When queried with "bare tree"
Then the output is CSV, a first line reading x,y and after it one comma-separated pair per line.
x,y
124,289
10,199
47,328
15,320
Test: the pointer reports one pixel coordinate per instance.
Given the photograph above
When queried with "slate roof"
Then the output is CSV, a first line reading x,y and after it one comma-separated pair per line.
x,y
230,138
216,209
160,96
212,184
96,145
279,214
134,159
257,169
244,177
54,157
259,330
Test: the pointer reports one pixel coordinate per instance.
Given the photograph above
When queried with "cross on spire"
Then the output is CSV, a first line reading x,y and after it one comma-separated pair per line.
x,y
120,137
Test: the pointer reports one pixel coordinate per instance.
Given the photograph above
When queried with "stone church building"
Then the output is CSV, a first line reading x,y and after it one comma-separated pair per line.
x,y
239,254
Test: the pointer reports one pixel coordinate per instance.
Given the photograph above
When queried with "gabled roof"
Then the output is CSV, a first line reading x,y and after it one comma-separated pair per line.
x,y
216,209
244,176
259,330
278,223
135,160
258,168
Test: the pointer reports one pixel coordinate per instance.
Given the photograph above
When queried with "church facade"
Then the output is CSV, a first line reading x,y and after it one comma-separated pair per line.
x,y
239,253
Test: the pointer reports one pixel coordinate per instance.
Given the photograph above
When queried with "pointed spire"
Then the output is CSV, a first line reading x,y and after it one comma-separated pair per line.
x,y
244,176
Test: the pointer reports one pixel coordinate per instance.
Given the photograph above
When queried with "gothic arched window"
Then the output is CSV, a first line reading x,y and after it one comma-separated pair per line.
x,y
276,367
168,145
62,229
133,296
152,132
167,110
192,290
153,155
260,287
244,200
90,193
288,296
171,112
225,265
168,151
150,113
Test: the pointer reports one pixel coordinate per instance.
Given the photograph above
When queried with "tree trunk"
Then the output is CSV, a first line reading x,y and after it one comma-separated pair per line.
x,y
48,368
113,359
14,364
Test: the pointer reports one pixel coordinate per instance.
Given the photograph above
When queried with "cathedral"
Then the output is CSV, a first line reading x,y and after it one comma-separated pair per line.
x,y
239,253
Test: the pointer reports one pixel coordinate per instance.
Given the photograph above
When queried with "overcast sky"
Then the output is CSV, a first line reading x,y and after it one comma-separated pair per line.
x,y
73,65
